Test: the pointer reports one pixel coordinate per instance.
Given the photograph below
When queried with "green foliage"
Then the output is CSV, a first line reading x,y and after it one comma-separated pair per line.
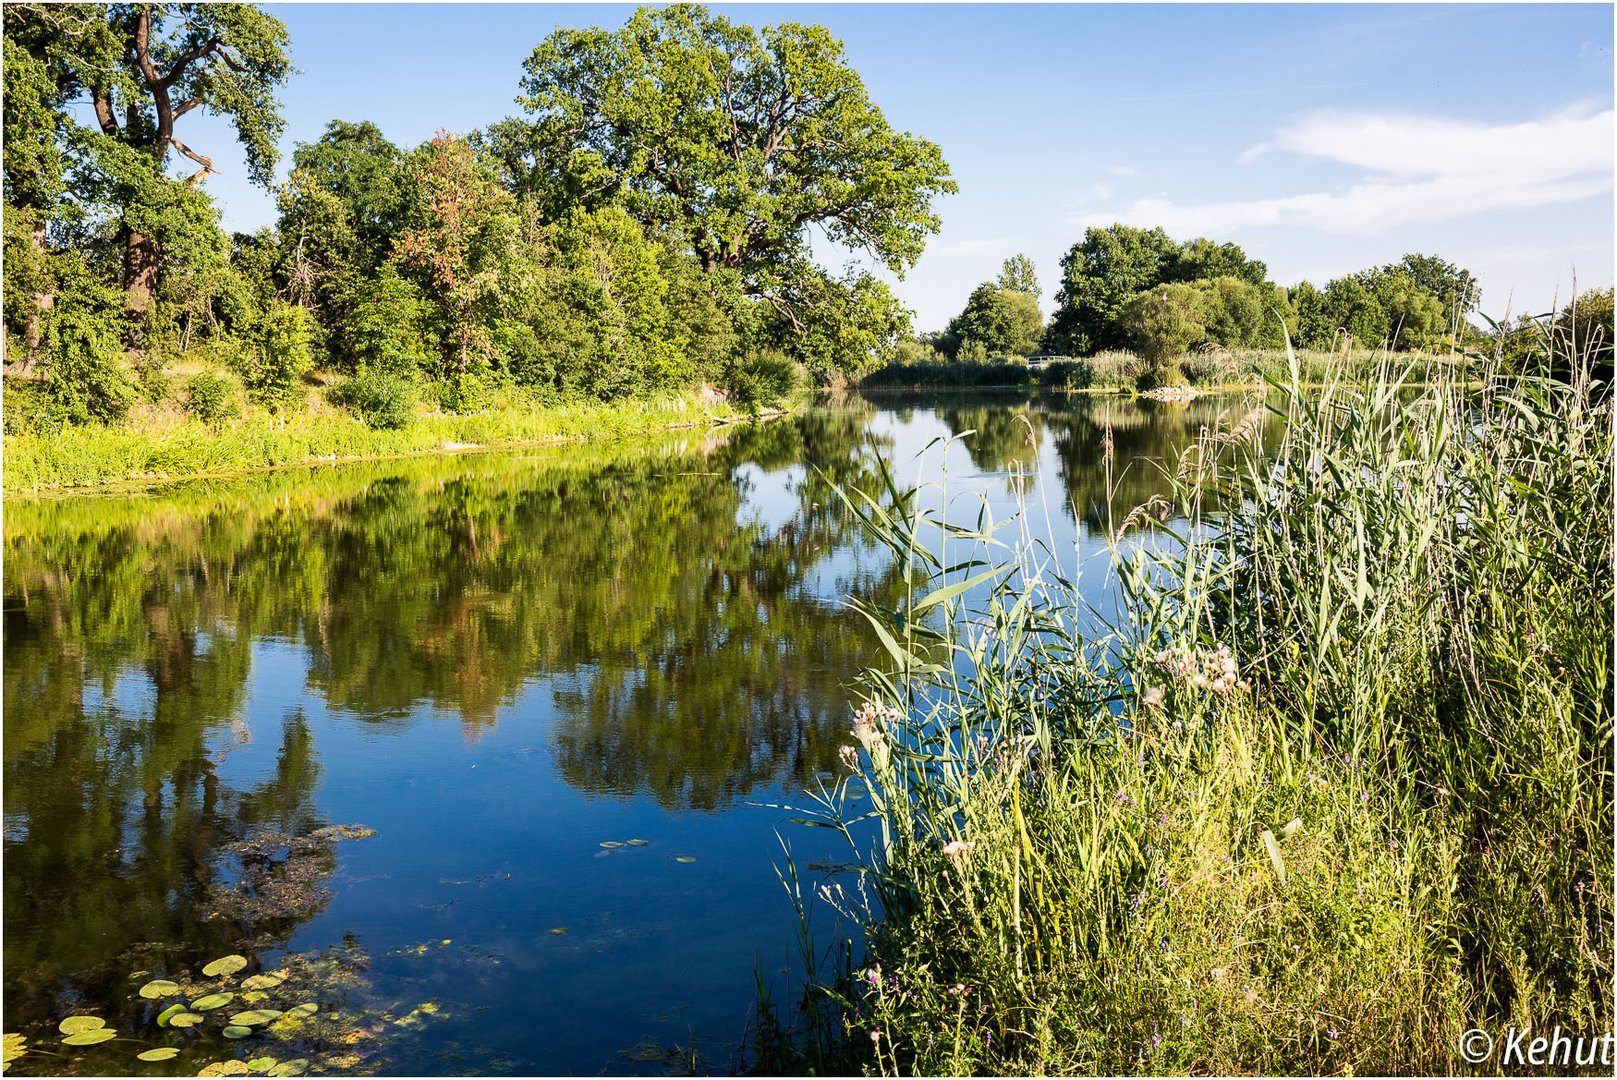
x,y
760,380
212,397
382,399
85,376
280,355
1099,275
1233,311
760,136
1163,322
1018,274
1202,259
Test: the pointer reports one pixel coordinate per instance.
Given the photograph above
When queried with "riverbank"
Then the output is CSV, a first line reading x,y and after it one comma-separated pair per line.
x,y
1360,800
167,447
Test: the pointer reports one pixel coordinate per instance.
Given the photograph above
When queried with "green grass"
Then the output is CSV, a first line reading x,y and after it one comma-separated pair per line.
x,y
167,446
1391,823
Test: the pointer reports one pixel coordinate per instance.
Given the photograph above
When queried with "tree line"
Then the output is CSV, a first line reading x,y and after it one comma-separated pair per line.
x,y
644,224
1138,289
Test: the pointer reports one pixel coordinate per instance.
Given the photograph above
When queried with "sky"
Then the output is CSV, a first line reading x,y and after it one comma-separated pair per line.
x,y
1323,139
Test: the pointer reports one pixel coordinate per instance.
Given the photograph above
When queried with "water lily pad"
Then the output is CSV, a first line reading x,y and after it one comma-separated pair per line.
x,y
16,1045
162,1053
236,1031
261,1064
225,965
637,842
254,1017
264,981
159,988
168,1014
308,1008
212,1002
90,1038
290,1068
224,1068
185,1019
611,843
75,1024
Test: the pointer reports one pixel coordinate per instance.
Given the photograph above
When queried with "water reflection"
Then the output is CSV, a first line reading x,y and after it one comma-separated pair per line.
x,y
667,616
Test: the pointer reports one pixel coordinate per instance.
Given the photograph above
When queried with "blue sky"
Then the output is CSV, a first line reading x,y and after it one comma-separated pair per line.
x,y
1322,138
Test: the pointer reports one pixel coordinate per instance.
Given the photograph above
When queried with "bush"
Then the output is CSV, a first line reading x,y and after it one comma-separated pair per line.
x,y
212,397
383,400
462,392
1066,375
283,353
760,379
84,372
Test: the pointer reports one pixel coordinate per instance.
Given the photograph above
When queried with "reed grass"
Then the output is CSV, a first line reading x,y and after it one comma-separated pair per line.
x,y
1333,786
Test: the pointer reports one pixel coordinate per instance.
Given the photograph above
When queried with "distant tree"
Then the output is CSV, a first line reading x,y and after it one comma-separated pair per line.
x,y
1019,275
1099,275
1311,326
1003,322
450,243
1352,306
1454,287
1234,311
1203,259
1163,322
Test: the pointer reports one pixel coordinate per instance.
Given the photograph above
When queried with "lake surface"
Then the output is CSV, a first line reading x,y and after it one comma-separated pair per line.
x,y
497,662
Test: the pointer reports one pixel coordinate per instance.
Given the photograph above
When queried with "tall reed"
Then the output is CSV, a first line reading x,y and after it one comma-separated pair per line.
x,y
1333,784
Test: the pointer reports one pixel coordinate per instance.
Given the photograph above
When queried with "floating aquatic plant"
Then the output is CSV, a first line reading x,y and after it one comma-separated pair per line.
x,y
161,1053
225,965
73,1025
158,988
212,1002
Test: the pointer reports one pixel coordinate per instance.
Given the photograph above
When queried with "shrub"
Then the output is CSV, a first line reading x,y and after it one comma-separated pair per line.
x,y
760,379
462,392
1066,375
85,373
212,397
282,354
383,400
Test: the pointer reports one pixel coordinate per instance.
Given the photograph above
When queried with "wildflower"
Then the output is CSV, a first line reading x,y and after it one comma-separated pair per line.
x,y
1153,697
874,975
875,1036
958,849
850,758
1331,1032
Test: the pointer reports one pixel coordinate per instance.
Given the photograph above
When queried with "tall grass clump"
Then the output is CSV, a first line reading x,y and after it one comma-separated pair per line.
x,y
1331,786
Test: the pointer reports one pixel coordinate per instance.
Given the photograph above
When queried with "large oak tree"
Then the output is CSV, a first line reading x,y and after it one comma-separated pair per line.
x,y
741,140
139,68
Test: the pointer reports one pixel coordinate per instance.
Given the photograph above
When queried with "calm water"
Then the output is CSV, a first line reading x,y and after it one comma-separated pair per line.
x,y
497,662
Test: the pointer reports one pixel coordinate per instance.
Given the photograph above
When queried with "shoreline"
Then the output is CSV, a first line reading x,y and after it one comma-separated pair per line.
x,y
268,446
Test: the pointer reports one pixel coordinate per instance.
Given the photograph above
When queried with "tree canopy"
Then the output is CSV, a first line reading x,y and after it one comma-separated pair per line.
x,y
739,140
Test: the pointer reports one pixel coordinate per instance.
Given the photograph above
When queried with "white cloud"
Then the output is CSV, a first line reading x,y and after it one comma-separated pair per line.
x,y
1414,169
1121,170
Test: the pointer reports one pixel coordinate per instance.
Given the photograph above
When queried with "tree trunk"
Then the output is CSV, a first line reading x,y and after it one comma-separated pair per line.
x,y
140,272
34,332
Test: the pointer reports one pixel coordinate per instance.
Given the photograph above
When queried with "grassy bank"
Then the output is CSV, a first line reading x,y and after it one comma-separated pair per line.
x,y
1120,370
1335,787
167,445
